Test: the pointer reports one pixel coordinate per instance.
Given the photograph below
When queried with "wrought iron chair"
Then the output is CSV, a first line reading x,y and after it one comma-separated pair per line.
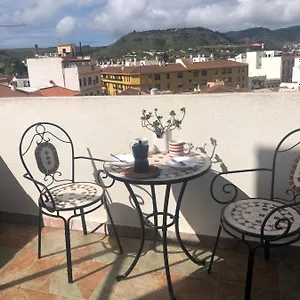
x,y
272,221
59,193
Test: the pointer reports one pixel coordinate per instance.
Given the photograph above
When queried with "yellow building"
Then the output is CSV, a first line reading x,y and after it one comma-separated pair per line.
x,y
184,76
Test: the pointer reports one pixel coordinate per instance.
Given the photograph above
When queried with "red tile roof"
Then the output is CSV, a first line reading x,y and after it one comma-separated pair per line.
x,y
133,92
6,91
56,91
6,78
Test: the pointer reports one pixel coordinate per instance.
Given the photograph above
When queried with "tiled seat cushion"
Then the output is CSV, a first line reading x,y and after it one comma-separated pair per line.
x,y
76,195
248,215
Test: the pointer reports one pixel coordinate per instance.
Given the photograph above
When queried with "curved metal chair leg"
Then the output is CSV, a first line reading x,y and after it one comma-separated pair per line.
x,y
251,256
214,251
83,221
40,232
113,225
68,250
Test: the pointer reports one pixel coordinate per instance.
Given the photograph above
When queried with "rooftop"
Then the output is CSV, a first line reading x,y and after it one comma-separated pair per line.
x,y
6,91
56,91
172,67
24,276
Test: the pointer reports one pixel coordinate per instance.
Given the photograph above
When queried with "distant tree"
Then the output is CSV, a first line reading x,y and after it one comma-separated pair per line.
x,y
165,57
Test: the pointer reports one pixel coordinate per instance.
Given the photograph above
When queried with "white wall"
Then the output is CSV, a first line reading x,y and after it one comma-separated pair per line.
x,y
271,66
71,78
296,70
42,70
247,126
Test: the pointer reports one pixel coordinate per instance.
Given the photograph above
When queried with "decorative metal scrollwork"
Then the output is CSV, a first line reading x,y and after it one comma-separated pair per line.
x,y
102,177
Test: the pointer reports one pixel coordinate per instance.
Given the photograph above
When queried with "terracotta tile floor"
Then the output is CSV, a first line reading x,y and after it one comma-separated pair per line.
x,y
96,263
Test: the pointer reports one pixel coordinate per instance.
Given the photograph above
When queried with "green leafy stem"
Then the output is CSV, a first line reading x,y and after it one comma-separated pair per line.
x,y
153,121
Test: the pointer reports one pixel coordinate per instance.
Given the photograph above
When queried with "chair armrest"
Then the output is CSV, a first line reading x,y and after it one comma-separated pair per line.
x,y
44,192
90,158
278,224
230,188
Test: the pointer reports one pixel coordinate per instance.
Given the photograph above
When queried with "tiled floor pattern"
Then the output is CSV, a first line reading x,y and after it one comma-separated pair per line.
x,y
96,263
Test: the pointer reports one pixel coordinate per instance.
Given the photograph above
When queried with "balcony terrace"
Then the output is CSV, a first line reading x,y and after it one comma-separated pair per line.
x,y
247,128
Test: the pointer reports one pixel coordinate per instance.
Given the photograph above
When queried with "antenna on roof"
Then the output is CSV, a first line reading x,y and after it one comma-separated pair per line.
x,y
80,49
36,49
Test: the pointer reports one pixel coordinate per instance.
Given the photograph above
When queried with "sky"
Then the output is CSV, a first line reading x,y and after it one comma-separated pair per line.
x,y
101,22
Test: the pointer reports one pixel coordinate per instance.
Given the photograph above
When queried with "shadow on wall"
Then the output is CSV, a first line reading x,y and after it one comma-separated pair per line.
x,y
13,197
283,168
198,208
119,211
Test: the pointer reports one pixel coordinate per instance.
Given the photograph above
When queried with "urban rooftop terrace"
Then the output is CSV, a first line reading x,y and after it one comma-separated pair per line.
x,y
246,126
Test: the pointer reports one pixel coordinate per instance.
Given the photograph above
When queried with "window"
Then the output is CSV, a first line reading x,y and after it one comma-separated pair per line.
x,y
216,73
84,81
150,76
90,81
243,70
204,82
224,71
80,83
91,94
168,75
157,77
168,86
229,79
98,92
96,79
196,74
195,82
239,70
180,75
239,78
229,70
157,86
180,84
243,77
204,73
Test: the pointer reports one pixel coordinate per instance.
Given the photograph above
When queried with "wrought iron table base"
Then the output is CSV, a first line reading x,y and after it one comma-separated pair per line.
x,y
164,227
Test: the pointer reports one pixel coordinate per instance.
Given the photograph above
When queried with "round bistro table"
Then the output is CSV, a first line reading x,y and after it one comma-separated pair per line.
x,y
168,176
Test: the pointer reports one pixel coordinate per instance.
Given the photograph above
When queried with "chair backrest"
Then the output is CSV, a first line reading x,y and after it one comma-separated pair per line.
x,y
47,153
286,167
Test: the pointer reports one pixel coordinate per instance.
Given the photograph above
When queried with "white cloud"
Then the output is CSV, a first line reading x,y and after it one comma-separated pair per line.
x,y
120,17
66,26
117,17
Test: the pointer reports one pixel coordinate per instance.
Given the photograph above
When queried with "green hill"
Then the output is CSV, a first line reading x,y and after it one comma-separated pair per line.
x,y
177,39
271,38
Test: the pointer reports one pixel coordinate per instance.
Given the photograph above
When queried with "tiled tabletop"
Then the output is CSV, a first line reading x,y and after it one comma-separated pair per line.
x,y
167,174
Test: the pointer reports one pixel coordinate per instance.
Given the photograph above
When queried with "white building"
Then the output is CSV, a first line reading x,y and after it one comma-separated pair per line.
x,y
129,63
202,58
20,81
271,64
296,70
74,73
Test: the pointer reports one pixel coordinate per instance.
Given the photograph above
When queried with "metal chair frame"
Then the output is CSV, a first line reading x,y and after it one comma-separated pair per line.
x,y
43,134
265,241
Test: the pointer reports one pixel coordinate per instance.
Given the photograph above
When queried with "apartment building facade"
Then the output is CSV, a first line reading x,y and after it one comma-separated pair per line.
x,y
74,73
178,77
269,68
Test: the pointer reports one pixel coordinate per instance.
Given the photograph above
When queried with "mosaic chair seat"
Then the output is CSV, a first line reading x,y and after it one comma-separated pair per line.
x,y
54,179
267,222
